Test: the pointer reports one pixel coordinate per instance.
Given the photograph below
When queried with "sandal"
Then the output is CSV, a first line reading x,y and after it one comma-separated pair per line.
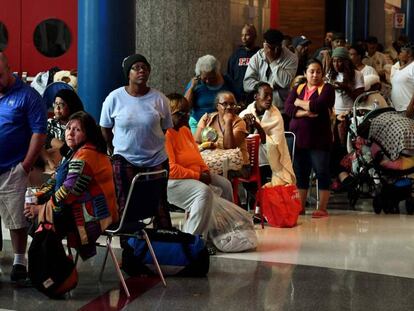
x,y
319,214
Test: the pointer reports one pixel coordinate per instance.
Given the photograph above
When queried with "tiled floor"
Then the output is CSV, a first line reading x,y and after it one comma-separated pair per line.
x,y
352,260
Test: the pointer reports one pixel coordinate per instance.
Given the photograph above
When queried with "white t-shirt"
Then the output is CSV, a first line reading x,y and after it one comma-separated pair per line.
x,y
138,124
368,70
344,103
402,91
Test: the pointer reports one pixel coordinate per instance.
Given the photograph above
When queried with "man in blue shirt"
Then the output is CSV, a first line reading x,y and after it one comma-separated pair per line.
x,y
22,135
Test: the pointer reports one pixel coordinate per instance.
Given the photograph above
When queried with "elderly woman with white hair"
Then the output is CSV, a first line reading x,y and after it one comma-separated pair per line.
x,y
204,87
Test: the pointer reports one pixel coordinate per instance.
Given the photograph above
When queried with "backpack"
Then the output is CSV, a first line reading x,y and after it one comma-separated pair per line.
x,y
51,271
178,253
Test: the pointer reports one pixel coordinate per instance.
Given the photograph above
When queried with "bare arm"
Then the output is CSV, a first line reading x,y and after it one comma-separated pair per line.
x,y
108,136
189,95
37,142
231,140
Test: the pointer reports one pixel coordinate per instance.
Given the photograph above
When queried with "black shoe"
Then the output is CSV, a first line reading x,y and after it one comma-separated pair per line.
x,y
18,273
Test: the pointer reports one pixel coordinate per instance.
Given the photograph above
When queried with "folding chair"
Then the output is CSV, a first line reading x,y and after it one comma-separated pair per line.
x,y
253,142
142,203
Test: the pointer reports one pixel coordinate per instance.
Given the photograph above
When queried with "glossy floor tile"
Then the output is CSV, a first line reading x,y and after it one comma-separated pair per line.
x,y
359,241
352,260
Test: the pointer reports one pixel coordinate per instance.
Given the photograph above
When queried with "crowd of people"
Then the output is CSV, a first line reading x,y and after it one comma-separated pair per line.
x,y
266,91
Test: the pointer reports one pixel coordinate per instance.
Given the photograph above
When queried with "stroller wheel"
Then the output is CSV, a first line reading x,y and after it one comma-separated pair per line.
x,y
377,204
409,206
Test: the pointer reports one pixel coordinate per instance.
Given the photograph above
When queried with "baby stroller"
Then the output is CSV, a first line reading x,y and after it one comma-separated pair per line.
x,y
388,185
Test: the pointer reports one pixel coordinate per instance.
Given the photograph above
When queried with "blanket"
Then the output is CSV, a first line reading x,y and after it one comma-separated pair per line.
x,y
276,149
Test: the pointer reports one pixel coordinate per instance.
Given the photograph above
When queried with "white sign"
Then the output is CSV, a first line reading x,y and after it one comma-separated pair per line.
x,y
399,20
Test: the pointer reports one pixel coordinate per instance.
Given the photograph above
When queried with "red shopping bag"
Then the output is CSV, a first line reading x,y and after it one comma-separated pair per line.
x,y
281,205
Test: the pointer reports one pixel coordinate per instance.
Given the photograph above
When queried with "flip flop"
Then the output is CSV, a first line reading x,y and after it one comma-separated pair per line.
x,y
319,214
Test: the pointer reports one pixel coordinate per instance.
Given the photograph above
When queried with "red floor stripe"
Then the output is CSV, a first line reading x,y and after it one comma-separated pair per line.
x,y
115,299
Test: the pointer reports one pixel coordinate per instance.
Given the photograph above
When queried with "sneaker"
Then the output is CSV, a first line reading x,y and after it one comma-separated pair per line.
x,y
18,273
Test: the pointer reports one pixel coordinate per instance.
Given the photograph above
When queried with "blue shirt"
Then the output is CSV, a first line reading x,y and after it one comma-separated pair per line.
x,y
204,96
22,113
138,124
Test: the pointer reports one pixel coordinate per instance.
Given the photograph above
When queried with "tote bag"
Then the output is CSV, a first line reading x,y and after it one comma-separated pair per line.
x,y
281,205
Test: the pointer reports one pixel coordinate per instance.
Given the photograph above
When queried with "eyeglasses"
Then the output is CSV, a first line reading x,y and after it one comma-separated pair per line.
x,y
140,67
60,105
228,105
182,113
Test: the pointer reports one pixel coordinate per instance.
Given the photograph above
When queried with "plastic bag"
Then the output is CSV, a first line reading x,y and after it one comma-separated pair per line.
x,y
232,228
281,205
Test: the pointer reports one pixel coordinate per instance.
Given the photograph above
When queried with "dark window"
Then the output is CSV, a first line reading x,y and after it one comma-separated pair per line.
x,y
52,37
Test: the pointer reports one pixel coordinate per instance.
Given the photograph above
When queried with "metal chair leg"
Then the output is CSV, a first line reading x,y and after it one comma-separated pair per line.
x,y
118,270
154,258
109,238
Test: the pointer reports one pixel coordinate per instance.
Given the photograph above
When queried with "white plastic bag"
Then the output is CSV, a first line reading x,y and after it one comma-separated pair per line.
x,y
232,228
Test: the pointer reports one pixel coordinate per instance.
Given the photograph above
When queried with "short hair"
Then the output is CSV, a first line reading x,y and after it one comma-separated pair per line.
x,y
273,36
219,94
409,48
359,49
251,27
175,101
259,85
207,63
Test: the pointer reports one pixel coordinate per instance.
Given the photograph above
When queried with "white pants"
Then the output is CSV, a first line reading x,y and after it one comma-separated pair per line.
x,y
197,198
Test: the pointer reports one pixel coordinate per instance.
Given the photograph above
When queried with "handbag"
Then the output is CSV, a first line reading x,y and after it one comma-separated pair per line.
x,y
281,205
215,158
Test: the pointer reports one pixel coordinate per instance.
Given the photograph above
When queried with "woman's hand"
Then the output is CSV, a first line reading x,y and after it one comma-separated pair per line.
x,y
250,121
228,116
194,82
342,116
205,178
31,210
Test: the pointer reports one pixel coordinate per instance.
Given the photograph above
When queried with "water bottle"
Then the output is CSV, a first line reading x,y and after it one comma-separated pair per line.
x,y
30,199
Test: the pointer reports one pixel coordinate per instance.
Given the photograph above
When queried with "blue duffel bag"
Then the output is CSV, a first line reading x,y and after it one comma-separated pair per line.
x,y
178,253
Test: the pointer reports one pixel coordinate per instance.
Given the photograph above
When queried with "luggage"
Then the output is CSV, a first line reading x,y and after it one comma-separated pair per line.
x,y
178,253
51,271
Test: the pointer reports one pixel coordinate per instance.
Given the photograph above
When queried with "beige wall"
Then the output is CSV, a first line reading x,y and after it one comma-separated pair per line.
x,y
173,34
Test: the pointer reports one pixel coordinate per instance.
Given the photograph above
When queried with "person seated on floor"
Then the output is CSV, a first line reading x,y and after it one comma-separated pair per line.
x,y
81,196
189,179
230,128
66,102
266,120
